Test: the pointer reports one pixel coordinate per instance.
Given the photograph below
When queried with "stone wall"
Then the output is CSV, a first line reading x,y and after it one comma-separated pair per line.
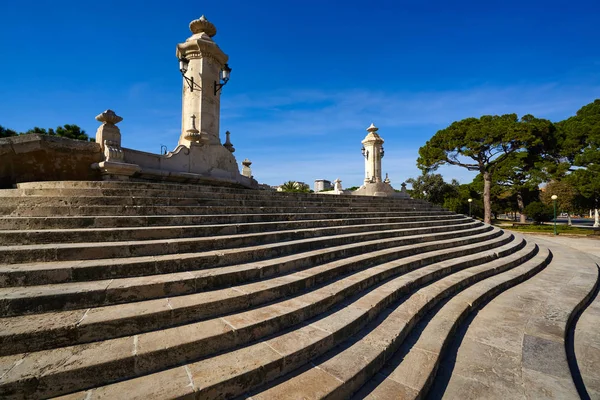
x,y
36,157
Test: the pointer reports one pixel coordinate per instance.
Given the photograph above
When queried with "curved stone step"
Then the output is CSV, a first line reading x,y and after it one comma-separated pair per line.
x,y
86,188
364,354
37,273
412,369
18,300
58,371
41,331
28,237
236,372
186,210
140,199
193,192
111,221
100,250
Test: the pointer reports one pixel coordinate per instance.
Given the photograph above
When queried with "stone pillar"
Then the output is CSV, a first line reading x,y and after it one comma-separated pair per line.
x,y
205,60
373,145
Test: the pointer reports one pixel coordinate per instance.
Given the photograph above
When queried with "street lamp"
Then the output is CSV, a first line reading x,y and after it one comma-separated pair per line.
x,y
470,201
223,77
554,197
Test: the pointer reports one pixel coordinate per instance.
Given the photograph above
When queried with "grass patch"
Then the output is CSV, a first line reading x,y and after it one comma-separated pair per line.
x,y
564,229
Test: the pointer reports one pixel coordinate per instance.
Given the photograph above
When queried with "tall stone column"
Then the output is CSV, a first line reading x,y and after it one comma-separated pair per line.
x,y
373,145
201,102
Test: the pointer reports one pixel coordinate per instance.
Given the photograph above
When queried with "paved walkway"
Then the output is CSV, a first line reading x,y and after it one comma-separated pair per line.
x,y
585,244
514,348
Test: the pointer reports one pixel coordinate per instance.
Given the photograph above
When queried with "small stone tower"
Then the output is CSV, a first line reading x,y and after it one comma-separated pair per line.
x,y
373,153
201,63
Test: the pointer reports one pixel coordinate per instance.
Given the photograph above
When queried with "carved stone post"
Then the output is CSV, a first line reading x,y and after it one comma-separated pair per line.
x,y
108,135
337,186
246,171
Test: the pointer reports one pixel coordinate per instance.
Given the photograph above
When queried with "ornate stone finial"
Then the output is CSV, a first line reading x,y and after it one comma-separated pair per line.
x,y
246,163
337,186
387,179
109,117
203,25
192,134
372,128
228,144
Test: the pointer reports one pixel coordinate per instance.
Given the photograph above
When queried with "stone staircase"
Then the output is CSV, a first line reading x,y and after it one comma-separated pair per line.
x,y
153,291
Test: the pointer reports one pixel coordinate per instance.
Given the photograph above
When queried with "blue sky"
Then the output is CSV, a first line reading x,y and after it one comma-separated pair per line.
x,y
308,76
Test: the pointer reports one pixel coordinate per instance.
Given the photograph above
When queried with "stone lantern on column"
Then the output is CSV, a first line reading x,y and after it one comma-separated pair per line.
x,y
373,152
204,68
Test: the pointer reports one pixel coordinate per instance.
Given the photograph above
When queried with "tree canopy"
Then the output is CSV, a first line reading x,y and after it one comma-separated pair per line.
x,y
484,145
5,132
580,151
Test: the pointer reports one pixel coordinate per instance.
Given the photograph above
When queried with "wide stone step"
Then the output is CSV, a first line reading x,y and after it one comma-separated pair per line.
x,y
42,210
344,370
22,202
317,237
25,237
411,370
111,221
18,300
299,253
41,331
54,372
156,189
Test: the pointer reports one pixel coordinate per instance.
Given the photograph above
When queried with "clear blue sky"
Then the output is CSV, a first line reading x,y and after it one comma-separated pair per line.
x,y
308,76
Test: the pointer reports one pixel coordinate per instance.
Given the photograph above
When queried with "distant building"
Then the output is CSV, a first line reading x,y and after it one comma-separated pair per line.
x,y
322,184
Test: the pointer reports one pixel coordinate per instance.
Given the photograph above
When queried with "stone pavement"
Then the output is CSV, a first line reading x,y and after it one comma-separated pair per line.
x,y
590,245
517,346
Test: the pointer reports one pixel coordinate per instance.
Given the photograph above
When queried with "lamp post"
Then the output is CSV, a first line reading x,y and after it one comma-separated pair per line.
x,y
470,201
554,197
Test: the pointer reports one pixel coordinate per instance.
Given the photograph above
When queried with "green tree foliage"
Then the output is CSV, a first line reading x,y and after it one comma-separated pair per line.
x,y
432,188
70,131
520,175
5,132
483,145
566,193
539,212
580,149
458,201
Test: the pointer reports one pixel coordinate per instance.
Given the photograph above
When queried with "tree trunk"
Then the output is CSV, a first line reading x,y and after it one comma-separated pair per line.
x,y
569,223
521,206
487,201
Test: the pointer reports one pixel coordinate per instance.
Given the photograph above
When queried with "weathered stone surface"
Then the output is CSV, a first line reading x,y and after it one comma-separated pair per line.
x,y
269,304
46,158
